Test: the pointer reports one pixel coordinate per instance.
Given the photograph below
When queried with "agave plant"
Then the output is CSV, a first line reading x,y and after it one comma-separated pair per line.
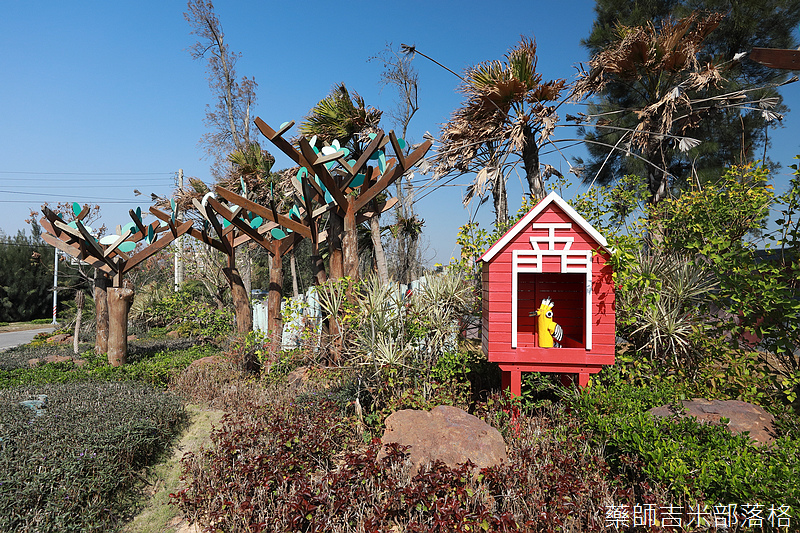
x,y
662,306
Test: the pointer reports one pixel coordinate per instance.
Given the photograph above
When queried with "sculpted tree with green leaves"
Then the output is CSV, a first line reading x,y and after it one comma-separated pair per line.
x,y
344,117
507,116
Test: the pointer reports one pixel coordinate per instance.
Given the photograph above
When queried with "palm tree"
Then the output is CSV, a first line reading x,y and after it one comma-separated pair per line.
x,y
666,92
340,116
506,109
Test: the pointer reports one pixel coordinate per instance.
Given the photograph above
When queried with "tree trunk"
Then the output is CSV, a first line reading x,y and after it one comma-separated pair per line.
x,y
500,202
274,301
241,302
336,267
244,265
293,268
101,312
380,256
318,266
350,244
530,160
76,338
413,264
119,300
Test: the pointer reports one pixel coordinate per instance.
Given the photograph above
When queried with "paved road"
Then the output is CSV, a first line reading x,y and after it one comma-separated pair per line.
x,y
15,338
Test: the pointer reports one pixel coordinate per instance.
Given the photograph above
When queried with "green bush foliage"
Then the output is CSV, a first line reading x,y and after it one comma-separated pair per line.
x,y
73,468
188,312
698,462
26,282
158,366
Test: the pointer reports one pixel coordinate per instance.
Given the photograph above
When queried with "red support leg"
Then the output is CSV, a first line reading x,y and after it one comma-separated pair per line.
x,y
583,380
516,383
512,380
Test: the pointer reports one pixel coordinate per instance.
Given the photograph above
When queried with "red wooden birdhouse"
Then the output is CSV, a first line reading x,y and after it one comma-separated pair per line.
x,y
551,253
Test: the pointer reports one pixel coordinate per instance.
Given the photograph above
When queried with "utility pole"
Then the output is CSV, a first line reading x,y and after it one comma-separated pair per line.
x,y
179,272
55,286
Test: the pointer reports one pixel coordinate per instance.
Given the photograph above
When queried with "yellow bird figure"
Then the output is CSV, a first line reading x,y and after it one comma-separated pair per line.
x,y
550,333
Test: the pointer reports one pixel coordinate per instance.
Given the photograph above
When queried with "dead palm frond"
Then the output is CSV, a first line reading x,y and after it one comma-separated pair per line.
x,y
506,108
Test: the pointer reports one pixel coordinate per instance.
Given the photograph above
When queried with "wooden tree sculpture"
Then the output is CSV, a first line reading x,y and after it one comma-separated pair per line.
x,y
110,256
349,185
275,232
244,221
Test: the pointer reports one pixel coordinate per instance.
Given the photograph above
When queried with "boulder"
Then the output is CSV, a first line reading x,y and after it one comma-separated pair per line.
x,y
173,334
203,361
447,434
61,338
57,359
743,416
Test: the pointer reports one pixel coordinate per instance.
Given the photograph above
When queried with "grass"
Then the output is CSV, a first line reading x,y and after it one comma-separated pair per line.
x,y
158,516
6,327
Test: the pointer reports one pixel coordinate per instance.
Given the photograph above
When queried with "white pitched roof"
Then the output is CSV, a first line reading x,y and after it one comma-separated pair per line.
x,y
533,213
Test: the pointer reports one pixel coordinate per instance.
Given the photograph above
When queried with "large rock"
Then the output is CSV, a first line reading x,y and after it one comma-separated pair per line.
x,y
447,434
61,338
743,416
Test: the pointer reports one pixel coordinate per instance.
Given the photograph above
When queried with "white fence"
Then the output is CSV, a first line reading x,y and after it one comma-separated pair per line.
x,y
311,312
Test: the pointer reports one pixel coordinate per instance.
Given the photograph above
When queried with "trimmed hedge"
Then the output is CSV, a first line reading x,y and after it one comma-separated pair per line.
x,y
74,467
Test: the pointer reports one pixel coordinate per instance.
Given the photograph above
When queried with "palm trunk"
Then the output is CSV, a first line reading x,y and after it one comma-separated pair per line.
x,y
350,244
413,264
500,202
380,256
79,301
530,160
335,246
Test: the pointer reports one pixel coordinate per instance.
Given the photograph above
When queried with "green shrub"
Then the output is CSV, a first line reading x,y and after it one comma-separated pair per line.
x,y
188,314
74,468
42,321
157,366
699,462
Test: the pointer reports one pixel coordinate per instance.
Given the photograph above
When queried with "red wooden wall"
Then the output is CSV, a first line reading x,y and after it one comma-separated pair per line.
x,y
567,292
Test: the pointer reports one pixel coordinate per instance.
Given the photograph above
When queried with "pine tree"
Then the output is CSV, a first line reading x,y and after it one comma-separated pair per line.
x,y
25,279
728,131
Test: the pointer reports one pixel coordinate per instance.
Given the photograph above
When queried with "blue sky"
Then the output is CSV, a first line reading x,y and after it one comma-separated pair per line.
x,y
101,98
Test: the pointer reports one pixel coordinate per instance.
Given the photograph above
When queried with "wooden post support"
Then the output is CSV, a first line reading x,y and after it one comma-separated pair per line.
x,y
512,380
101,282
241,300
336,265
119,300
274,300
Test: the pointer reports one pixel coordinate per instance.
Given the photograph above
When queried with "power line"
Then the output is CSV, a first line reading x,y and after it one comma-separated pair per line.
x,y
83,200
73,181
88,173
45,196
